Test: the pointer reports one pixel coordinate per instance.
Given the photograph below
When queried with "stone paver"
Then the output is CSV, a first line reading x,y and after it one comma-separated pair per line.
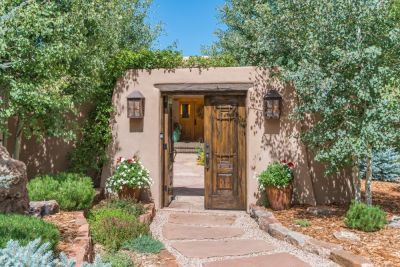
x,y
273,260
201,219
174,231
208,249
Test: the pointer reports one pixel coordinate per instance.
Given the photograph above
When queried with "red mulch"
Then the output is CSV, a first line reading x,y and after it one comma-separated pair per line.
x,y
382,247
65,222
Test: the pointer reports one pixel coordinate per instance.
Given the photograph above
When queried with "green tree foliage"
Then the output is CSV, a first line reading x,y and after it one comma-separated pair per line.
x,y
385,165
342,58
53,56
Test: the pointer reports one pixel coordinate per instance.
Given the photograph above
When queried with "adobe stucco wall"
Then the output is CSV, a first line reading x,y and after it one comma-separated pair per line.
x,y
267,141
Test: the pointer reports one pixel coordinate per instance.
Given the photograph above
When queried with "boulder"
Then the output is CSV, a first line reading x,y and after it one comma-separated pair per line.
x,y
13,181
43,208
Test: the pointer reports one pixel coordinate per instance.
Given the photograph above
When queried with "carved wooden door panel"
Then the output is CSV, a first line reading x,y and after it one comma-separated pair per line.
x,y
225,166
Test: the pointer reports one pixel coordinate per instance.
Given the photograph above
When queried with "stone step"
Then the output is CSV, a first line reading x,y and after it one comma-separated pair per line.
x,y
272,260
221,248
201,219
174,231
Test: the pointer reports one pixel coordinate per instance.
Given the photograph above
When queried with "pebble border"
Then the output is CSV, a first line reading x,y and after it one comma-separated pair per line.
x,y
268,223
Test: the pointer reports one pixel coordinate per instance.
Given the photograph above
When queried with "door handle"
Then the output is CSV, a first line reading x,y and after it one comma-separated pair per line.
x,y
207,156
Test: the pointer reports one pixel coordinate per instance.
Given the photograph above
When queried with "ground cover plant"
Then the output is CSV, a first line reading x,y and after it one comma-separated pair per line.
x,y
24,229
144,244
118,259
71,191
38,254
302,222
111,226
127,205
366,218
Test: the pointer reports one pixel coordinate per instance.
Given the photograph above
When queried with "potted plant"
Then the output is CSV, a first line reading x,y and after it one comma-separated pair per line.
x,y
276,180
176,135
129,178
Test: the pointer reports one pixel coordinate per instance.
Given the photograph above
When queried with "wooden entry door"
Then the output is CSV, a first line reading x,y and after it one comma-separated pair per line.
x,y
167,151
225,148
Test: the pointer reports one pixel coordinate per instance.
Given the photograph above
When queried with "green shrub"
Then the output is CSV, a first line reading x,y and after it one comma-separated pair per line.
x,y
118,259
113,227
277,175
128,205
302,222
201,156
366,218
71,191
144,244
25,228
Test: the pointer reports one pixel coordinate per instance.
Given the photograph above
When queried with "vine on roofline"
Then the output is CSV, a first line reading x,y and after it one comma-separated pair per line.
x,y
90,153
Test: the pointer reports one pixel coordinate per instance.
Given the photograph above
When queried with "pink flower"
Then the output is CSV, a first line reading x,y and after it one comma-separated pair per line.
x,y
290,165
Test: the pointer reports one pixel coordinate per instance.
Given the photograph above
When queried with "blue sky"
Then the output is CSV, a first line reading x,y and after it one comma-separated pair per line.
x,y
189,23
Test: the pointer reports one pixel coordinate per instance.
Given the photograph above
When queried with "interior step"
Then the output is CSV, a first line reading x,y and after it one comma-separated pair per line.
x,y
187,147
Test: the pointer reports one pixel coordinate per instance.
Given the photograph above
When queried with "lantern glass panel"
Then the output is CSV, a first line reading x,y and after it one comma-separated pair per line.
x,y
276,108
135,108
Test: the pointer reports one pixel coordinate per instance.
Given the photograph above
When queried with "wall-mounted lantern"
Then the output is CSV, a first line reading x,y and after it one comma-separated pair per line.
x,y
135,105
272,105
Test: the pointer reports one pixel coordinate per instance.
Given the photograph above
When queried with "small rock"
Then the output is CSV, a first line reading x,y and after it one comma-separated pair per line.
x,y
394,222
347,259
346,235
297,239
264,222
322,248
322,210
43,208
262,213
278,231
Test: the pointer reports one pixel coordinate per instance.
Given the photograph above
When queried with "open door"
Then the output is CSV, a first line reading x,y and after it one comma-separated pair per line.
x,y
167,151
225,148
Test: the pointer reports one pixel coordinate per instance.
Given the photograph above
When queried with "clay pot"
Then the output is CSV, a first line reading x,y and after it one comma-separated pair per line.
x,y
279,198
129,193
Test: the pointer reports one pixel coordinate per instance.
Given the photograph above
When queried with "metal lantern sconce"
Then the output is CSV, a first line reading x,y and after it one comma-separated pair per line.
x,y
135,105
272,105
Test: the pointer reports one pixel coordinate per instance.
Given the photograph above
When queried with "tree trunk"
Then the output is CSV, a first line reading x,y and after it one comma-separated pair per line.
x,y
4,139
18,139
356,180
368,180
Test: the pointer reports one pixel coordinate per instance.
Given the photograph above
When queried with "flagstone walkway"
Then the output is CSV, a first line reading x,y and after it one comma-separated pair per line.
x,y
225,238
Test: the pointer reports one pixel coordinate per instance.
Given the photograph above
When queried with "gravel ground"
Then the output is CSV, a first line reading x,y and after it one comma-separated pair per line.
x,y
251,230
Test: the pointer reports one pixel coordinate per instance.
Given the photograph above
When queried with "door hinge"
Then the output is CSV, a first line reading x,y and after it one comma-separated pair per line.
x,y
165,189
165,146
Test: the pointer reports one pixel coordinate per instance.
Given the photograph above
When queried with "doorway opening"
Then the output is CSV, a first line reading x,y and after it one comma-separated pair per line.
x,y
188,147
204,151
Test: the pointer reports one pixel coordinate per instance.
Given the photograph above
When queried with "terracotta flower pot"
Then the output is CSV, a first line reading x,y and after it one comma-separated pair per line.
x,y
130,193
279,198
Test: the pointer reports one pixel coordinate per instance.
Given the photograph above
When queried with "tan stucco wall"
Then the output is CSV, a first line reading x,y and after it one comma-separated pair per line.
x,y
267,141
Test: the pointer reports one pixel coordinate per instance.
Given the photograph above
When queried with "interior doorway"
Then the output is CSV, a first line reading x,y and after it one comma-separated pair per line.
x,y
204,151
